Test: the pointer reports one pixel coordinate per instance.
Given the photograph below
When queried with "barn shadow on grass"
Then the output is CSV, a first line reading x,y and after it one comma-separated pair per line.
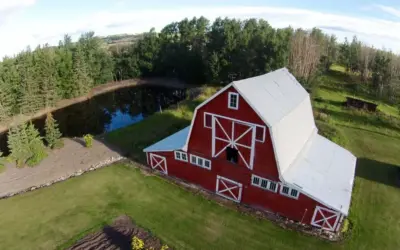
x,y
379,172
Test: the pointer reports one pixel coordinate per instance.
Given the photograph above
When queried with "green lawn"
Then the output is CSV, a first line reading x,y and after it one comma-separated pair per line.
x,y
56,216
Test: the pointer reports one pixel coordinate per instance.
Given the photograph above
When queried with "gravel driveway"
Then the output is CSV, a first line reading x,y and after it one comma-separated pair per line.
x,y
60,162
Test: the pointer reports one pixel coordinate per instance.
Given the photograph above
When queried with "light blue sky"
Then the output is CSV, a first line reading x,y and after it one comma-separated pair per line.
x,y
33,22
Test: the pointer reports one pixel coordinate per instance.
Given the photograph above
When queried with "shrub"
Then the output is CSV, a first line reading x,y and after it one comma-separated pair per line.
x,y
321,116
137,244
88,140
346,225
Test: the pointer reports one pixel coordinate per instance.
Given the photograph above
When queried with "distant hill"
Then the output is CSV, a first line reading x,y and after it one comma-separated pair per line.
x,y
121,39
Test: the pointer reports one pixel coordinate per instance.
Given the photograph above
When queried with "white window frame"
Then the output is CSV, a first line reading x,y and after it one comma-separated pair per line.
x,y
268,188
263,128
204,118
197,159
179,154
237,100
290,191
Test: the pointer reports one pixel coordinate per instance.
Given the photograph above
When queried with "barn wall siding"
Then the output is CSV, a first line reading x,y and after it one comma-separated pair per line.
x,y
293,209
200,144
201,137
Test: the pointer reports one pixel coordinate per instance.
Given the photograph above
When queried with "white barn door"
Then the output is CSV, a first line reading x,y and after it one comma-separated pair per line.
x,y
227,132
159,163
229,189
326,219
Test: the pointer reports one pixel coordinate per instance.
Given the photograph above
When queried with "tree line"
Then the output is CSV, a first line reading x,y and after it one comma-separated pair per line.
x,y
37,79
193,50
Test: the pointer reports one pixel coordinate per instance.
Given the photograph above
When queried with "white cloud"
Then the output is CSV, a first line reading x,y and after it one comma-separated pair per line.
x,y
378,32
388,9
8,8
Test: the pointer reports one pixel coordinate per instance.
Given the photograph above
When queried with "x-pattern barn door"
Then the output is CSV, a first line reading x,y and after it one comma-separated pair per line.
x,y
227,132
229,189
158,163
325,218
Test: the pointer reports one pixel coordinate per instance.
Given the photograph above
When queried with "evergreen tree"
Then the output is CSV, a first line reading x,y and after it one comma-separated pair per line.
x,y
18,144
64,65
30,100
25,145
36,146
47,76
53,134
81,79
6,102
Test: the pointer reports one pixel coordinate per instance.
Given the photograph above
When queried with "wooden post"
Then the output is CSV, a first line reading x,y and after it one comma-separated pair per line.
x,y
305,212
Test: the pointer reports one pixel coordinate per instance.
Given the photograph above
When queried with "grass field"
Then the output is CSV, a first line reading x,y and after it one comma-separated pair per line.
x,y
56,216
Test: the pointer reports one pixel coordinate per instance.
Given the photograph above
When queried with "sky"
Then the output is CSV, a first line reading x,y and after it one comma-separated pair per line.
x,y
34,22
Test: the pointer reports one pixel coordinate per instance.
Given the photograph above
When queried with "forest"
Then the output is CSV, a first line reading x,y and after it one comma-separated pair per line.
x,y
194,50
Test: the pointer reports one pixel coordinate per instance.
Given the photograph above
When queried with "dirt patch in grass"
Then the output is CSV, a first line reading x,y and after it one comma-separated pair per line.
x,y
119,235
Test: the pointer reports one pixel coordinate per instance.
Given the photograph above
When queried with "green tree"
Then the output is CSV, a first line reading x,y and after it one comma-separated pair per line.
x,y
81,79
36,146
6,102
25,145
47,76
53,134
30,99
64,67
18,144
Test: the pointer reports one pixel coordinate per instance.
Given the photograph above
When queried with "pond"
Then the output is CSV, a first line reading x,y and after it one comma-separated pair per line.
x,y
109,111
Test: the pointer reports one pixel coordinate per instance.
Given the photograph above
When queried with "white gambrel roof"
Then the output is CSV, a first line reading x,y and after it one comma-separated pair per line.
x,y
326,171
307,161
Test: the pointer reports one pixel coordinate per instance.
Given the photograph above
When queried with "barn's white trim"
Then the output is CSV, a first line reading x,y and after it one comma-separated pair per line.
x,y
230,140
158,162
205,114
194,159
289,194
223,180
258,181
198,107
236,104
181,156
263,133
324,221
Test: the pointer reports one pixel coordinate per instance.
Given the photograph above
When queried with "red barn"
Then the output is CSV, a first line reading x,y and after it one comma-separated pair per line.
x,y
255,142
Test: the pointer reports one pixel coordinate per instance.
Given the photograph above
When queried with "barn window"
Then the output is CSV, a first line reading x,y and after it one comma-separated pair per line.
x,y
200,162
193,159
232,154
233,100
180,156
264,183
260,133
289,192
207,120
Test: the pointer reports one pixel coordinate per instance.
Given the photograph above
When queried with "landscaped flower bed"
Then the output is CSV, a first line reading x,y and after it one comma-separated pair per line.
x,y
122,234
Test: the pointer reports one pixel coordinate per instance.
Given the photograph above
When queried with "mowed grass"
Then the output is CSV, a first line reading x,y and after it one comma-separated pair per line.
x,y
49,217
55,217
